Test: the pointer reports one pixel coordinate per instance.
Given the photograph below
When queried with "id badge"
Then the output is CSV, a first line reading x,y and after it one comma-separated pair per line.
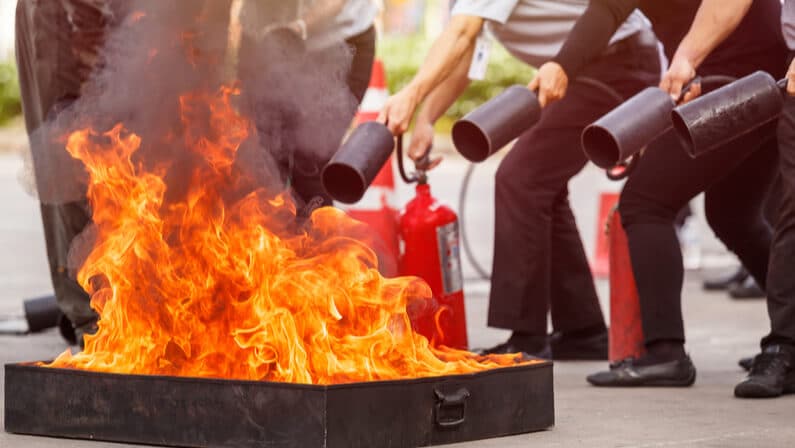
x,y
480,58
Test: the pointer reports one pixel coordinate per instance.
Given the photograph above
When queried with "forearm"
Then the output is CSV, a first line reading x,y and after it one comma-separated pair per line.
x,y
592,33
714,22
447,53
444,95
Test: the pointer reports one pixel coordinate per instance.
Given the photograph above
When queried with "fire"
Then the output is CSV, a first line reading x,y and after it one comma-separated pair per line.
x,y
212,287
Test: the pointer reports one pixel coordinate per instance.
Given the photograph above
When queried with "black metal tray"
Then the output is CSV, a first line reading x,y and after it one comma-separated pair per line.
x,y
195,412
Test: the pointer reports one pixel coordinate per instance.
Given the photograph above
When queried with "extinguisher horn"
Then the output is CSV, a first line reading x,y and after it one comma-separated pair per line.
x,y
354,167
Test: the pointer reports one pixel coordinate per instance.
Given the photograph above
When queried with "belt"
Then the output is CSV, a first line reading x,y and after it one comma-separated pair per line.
x,y
643,38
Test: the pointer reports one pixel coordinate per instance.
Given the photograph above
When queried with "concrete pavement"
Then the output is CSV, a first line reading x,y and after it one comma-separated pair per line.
x,y
719,331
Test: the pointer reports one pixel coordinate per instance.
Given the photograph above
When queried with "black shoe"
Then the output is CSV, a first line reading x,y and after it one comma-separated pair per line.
x,y
748,289
770,376
509,348
568,347
746,363
680,373
723,283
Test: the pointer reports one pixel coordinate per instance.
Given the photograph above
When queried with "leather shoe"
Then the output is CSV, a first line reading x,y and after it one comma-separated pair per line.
x,y
748,289
568,347
723,283
679,373
771,375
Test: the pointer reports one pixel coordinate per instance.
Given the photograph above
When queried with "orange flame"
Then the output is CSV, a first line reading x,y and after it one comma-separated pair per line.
x,y
203,288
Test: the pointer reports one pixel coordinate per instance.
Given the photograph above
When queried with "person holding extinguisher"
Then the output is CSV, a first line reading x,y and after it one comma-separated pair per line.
x,y
735,178
539,261
772,372
58,48
310,39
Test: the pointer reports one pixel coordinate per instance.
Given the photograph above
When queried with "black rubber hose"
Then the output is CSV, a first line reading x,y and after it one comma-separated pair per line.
x,y
462,196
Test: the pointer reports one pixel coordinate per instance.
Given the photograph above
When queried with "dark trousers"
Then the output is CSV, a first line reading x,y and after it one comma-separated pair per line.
x,y
57,49
736,180
539,260
781,275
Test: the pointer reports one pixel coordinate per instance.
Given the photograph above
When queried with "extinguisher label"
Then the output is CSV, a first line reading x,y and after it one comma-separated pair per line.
x,y
450,258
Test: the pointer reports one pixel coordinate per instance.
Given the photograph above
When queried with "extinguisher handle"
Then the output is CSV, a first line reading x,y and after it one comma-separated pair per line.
x,y
623,169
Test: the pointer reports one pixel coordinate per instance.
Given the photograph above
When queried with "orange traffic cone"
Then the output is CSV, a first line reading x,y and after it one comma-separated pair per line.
x,y
626,328
378,206
601,260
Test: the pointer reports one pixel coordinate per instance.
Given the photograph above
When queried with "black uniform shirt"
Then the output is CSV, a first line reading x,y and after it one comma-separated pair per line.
x,y
757,44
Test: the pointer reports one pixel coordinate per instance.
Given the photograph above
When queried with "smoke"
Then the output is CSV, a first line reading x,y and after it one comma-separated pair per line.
x,y
156,51
153,52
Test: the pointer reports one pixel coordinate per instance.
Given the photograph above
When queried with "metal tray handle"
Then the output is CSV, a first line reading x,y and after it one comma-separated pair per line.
x,y
457,401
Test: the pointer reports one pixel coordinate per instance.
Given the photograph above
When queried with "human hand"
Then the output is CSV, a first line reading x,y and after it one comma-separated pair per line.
x,y
421,144
681,72
791,79
399,110
551,82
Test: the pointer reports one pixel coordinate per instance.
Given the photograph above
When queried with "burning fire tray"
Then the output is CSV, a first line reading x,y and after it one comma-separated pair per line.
x,y
194,412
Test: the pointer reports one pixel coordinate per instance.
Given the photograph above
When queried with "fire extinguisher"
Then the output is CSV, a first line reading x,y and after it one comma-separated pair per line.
x,y
430,250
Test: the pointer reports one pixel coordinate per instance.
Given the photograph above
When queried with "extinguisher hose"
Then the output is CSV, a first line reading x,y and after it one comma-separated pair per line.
x,y
462,200
625,170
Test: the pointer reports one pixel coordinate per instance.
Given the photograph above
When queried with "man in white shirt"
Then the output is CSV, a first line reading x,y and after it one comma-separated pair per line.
x,y
539,261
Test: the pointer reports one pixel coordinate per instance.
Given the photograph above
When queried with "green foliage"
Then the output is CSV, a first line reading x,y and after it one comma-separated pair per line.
x,y
10,105
403,56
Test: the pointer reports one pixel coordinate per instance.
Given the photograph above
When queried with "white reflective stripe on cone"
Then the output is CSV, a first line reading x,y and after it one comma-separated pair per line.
x,y
374,100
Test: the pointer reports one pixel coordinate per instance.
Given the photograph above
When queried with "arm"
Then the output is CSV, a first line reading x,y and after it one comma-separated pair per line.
x,y
435,106
592,32
714,22
446,93
586,41
447,52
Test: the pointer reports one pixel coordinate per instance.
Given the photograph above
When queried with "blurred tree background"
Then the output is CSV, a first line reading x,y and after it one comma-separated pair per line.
x,y
9,92
9,86
408,28
403,55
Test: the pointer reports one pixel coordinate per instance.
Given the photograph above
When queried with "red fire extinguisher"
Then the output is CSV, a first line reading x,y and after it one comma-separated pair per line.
x,y
430,250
